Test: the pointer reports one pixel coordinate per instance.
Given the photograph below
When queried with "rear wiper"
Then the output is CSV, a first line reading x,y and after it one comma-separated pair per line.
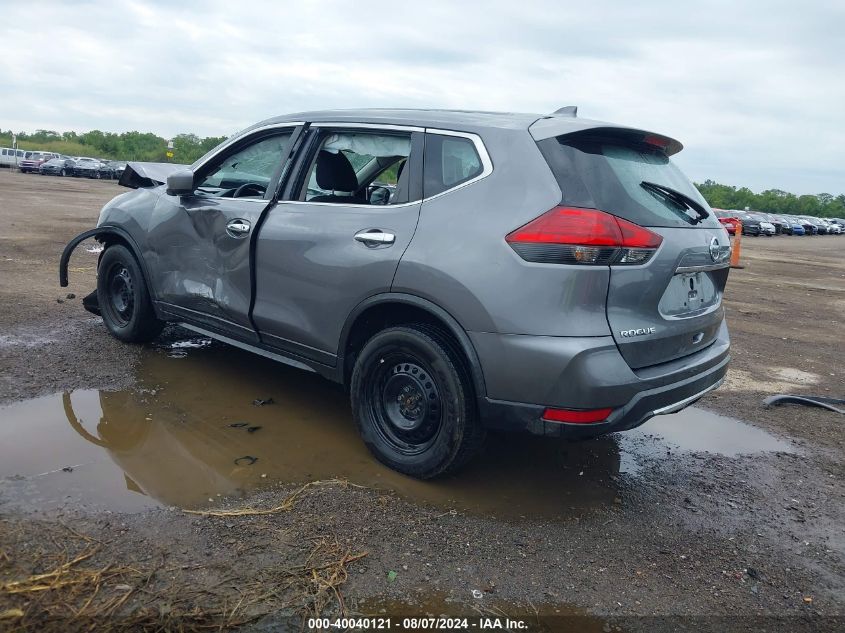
x,y
678,198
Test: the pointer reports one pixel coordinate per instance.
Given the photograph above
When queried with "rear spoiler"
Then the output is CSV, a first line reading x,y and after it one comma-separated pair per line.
x,y
564,124
143,175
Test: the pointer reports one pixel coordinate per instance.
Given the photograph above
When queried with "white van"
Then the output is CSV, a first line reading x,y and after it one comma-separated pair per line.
x,y
10,157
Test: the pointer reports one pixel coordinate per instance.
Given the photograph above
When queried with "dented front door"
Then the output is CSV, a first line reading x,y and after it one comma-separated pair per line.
x,y
200,243
201,258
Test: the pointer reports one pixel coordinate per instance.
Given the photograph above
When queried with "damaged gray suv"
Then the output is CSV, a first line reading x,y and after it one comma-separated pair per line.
x,y
456,271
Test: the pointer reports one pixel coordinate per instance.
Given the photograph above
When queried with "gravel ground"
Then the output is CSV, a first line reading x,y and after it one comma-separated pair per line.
x,y
724,542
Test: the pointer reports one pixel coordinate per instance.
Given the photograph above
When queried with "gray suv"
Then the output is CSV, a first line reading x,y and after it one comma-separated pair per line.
x,y
456,271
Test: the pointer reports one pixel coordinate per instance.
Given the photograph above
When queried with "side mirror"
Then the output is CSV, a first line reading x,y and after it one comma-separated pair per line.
x,y
379,195
180,183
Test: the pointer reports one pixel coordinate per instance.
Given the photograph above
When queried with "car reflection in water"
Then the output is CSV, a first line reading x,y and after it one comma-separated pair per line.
x,y
172,462
180,445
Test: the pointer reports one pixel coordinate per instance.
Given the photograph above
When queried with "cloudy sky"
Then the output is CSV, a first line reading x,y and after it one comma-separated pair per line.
x,y
754,89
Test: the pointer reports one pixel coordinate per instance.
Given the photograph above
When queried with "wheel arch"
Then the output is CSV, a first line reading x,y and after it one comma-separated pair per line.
x,y
388,309
107,235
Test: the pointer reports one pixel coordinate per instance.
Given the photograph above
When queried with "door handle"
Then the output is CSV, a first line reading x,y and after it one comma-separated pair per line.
x,y
375,237
238,228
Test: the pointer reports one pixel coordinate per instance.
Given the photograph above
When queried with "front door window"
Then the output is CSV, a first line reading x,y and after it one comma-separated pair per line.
x,y
247,172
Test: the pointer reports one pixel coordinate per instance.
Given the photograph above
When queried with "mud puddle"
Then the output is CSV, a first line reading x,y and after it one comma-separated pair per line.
x,y
209,421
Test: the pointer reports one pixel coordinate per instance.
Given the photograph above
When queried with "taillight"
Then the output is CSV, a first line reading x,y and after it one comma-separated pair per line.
x,y
571,235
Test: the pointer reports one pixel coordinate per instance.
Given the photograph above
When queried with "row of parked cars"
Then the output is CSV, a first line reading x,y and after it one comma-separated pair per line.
x,y
53,164
769,224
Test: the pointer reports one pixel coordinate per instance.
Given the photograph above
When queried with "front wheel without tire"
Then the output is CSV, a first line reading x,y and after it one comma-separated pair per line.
x,y
123,297
413,401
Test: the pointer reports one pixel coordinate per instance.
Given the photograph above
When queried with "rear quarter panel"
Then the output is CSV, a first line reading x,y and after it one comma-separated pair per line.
x,y
459,258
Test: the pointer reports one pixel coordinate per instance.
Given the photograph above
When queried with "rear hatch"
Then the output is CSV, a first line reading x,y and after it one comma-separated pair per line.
x,y
671,305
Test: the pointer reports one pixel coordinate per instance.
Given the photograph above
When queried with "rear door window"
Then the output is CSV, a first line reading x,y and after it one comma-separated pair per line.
x,y
450,161
607,173
360,167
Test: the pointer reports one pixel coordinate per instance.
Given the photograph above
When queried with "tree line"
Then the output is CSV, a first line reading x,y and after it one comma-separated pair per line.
x,y
824,205
140,146
146,146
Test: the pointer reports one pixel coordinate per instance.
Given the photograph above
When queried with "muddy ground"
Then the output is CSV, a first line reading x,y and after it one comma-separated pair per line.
x,y
696,521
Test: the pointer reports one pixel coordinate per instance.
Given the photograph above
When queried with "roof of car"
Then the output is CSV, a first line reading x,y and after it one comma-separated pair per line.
x,y
542,126
416,117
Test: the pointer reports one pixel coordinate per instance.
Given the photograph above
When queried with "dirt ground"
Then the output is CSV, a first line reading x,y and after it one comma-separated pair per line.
x,y
703,540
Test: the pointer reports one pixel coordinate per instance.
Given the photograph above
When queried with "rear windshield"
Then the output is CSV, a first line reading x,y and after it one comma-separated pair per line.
x,y
606,173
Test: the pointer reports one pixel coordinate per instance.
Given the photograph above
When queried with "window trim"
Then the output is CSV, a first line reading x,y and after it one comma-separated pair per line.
x,y
480,148
389,127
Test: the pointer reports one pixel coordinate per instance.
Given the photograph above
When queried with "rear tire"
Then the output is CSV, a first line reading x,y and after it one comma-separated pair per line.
x,y
123,297
414,403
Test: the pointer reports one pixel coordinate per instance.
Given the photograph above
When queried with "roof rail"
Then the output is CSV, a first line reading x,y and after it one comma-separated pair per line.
x,y
567,111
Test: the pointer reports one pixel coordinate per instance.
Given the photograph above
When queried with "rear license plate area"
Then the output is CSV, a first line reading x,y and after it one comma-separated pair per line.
x,y
688,294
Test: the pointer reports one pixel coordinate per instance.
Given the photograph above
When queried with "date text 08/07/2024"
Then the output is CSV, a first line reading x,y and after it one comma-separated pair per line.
x,y
417,623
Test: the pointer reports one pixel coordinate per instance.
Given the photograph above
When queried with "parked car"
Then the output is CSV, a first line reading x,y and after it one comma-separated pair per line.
x,y
10,157
90,168
820,228
776,221
62,166
809,227
766,227
727,219
750,224
588,300
117,167
796,227
106,168
832,227
33,161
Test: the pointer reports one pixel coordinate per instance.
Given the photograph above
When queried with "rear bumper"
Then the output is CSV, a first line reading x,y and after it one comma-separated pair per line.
x,y
594,376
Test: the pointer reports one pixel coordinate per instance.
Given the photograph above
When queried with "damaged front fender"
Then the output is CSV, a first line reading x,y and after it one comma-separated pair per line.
x,y
103,234
65,258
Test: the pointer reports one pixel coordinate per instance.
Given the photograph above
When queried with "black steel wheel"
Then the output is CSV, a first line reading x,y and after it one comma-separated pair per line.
x,y
121,291
413,401
123,297
405,404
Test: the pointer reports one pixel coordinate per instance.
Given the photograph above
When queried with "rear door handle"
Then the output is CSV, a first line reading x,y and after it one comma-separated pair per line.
x,y
238,228
375,237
